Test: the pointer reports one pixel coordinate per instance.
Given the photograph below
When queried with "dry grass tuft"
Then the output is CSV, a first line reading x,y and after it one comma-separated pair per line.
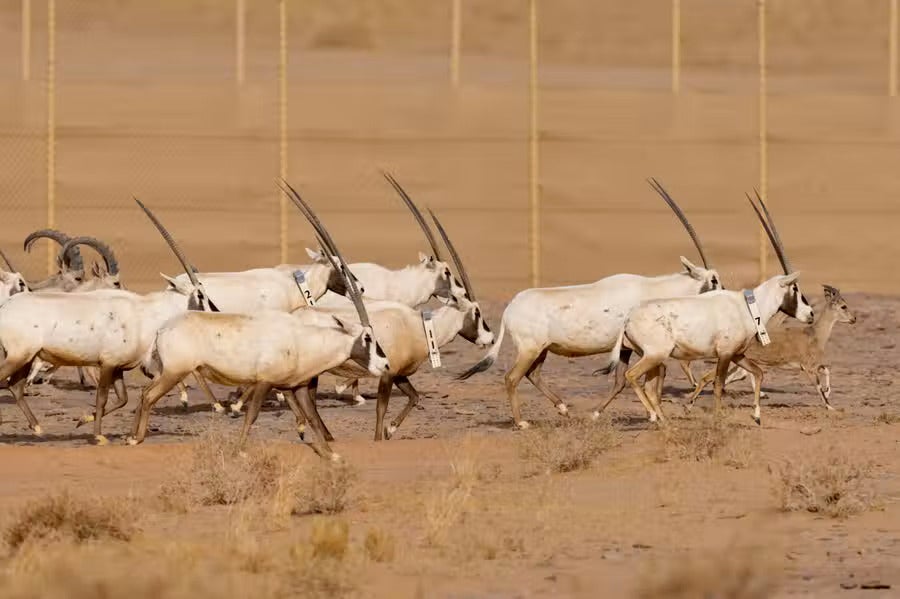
x,y
729,574
887,418
831,483
330,538
710,438
328,488
570,445
446,505
65,516
380,546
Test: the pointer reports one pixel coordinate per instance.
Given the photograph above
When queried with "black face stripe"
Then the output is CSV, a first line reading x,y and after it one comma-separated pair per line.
x,y
379,352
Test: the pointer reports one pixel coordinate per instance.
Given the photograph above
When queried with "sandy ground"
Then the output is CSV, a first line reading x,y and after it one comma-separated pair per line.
x,y
146,106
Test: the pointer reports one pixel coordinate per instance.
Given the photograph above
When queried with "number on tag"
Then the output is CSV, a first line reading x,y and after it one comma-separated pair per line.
x,y
434,353
300,279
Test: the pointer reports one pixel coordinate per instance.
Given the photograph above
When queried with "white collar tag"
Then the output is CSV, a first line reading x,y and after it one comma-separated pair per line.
x,y
300,279
433,351
761,332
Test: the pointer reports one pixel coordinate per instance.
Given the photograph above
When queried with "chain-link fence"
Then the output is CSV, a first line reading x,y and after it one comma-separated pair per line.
x,y
178,103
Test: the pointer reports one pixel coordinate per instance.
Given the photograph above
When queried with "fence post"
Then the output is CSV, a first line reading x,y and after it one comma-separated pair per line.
x,y
240,39
676,46
534,156
763,134
283,115
455,41
51,128
892,51
26,40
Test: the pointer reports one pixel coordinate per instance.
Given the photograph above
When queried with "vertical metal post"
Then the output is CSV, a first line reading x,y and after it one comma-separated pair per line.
x,y
676,46
455,41
51,128
283,114
26,40
763,134
892,50
240,39
534,155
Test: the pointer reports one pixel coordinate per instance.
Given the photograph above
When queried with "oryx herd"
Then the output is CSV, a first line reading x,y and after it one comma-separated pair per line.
x,y
280,328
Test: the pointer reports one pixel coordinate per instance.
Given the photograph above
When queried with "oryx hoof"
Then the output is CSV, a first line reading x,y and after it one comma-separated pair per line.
x,y
389,432
653,417
523,425
340,388
131,440
218,408
184,405
37,430
100,440
827,392
360,400
563,409
830,407
757,420
85,419
280,397
595,415
336,457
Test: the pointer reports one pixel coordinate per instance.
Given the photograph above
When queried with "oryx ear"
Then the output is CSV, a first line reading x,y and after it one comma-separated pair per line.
x,y
424,258
176,285
831,293
787,280
314,255
692,268
173,284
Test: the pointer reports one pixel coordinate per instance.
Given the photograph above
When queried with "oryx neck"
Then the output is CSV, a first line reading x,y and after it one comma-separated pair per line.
x,y
824,325
447,323
769,296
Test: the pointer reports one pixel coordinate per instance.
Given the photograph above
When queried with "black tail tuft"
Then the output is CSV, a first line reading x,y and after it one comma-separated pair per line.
x,y
605,370
486,363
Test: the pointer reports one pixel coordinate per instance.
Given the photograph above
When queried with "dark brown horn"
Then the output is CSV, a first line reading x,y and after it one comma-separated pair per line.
x,y
109,258
331,249
72,260
172,245
423,224
658,188
770,232
8,263
456,259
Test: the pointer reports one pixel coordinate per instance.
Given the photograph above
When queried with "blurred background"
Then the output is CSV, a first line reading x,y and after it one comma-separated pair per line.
x,y
179,103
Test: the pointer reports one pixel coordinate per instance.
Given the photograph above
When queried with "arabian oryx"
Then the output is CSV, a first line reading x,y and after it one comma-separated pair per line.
x,y
110,329
583,320
719,325
801,348
263,350
400,331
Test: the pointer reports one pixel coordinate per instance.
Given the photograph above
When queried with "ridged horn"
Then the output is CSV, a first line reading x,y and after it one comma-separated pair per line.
x,y
185,264
109,258
423,224
72,260
658,188
455,255
769,227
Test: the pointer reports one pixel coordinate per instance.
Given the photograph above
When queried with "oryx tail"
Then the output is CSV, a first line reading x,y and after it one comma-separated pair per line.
x,y
489,358
613,355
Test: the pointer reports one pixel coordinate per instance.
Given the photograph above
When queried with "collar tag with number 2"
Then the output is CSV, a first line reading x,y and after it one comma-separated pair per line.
x,y
300,279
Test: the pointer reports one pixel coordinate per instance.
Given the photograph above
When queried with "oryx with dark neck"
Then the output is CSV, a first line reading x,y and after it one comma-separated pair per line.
x,y
584,320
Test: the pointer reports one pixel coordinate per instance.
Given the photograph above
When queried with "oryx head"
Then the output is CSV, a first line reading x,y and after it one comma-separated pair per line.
x,y
337,280
106,277
446,286
838,304
707,278
70,265
12,281
475,328
197,298
793,302
365,351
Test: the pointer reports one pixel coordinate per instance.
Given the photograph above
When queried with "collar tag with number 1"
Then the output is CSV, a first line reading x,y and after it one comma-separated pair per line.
x,y
761,332
433,351
300,279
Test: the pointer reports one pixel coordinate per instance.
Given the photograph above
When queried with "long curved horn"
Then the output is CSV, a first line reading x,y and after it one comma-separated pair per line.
x,y
72,260
8,263
174,246
331,248
109,258
769,227
423,224
658,188
456,259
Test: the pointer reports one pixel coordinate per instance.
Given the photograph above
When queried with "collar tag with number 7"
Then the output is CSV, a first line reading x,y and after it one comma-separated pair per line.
x,y
761,332
300,279
433,351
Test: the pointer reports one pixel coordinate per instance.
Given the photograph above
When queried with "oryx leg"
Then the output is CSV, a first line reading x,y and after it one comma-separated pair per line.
x,y
299,417
118,384
688,373
17,372
158,387
236,407
643,367
756,374
312,389
816,380
620,382
512,379
412,401
534,375
719,386
353,385
260,390
385,383
825,370
701,384
308,407
204,385
106,377
653,387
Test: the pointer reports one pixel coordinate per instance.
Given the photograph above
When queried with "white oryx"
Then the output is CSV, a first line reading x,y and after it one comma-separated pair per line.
x,y
264,350
719,325
110,329
583,320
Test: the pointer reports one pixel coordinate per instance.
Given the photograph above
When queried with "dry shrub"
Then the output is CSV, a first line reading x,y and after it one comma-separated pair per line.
x,y
445,506
322,562
710,438
887,418
64,516
327,488
728,574
832,483
330,538
568,445
379,546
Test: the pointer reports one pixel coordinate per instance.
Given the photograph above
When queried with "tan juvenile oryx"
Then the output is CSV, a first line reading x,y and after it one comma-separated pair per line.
x,y
110,329
584,320
801,348
268,349
720,325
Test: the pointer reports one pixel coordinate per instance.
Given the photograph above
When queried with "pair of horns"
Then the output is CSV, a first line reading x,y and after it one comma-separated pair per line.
x,y
331,249
768,224
69,260
430,235
109,258
658,188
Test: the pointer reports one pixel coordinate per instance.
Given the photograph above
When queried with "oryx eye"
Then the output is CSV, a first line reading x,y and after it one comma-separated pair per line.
x,y
367,339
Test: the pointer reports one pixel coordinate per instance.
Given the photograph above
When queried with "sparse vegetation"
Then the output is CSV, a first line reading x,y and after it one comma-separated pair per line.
x,y
379,546
887,418
568,445
728,574
65,516
711,438
831,483
327,488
